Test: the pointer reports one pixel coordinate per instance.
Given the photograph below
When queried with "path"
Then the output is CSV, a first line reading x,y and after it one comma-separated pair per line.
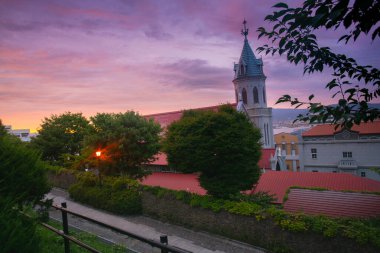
x,y
197,242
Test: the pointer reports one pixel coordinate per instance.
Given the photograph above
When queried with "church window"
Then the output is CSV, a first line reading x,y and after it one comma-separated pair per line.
x,y
255,95
264,99
265,134
242,69
236,96
244,96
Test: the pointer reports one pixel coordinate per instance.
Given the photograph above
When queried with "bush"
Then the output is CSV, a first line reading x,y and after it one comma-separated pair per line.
x,y
18,232
116,194
22,183
362,231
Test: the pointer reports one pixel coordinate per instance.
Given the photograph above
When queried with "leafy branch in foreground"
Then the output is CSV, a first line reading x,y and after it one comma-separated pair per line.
x,y
356,85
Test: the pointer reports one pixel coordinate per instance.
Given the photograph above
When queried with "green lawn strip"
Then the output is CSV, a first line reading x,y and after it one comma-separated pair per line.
x,y
51,242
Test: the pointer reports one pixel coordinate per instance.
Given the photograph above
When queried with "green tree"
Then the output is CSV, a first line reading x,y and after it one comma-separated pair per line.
x,y
126,140
22,183
61,136
293,34
223,146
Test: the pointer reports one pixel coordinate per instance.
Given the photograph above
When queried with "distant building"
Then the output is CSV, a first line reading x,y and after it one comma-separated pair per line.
x,y
24,134
287,144
326,149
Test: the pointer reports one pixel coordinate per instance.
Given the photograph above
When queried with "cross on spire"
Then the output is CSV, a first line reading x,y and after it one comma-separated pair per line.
x,y
245,30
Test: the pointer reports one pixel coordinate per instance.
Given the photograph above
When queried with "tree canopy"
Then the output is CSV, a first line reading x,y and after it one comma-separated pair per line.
x,y
293,34
126,140
61,136
223,146
23,183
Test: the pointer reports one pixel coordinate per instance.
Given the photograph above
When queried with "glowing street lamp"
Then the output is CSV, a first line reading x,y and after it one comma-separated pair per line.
x,y
98,154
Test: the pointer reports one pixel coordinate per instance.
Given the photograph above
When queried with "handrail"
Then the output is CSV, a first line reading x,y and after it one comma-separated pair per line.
x,y
153,243
73,239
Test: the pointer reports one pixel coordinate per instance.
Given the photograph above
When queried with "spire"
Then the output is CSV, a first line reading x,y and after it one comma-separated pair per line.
x,y
248,64
245,30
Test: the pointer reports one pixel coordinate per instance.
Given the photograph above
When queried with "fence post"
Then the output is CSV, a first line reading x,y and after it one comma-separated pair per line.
x,y
65,227
164,240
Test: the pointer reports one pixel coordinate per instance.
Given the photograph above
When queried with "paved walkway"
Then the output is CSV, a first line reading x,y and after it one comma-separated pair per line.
x,y
197,242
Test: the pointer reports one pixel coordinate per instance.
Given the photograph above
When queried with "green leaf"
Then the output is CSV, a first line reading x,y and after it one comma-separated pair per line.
x,y
280,5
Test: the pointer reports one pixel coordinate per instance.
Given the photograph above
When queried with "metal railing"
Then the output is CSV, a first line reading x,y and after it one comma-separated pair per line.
x,y
162,244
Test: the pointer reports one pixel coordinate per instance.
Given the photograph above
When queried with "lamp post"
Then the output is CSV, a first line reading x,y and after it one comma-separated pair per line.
x,y
98,154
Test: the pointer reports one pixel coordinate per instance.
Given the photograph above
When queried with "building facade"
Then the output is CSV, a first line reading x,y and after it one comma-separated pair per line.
x,y
287,144
250,93
326,149
23,134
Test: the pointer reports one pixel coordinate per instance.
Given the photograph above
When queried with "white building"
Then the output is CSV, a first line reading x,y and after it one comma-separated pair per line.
x,y
249,84
23,134
355,151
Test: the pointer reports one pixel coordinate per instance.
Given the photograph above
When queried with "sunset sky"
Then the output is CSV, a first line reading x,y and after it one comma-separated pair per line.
x,y
148,56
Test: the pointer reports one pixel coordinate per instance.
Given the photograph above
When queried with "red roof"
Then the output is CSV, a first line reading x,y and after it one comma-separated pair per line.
x,y
326,130
266,154
333,203
264,163
175,181
278,182
166,118
161,159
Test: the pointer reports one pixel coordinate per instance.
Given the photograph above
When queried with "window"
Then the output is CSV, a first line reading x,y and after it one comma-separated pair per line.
x,y
362,174
283,147
24,134
255,96
347,154
314,170
264,97
242,69
244,96
314,153
334,171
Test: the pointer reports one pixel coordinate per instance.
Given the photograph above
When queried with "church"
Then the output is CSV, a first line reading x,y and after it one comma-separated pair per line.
x,y
250,94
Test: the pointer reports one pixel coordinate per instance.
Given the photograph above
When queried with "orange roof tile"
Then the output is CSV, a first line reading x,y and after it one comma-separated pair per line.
x,y
264,162
333,203
325,130
278,182
166,118
175,181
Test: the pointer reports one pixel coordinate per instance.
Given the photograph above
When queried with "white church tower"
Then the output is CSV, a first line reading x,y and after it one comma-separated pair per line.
x,y
249,83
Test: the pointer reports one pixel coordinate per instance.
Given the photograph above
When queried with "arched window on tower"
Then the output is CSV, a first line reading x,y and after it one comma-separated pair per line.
x,y
242,69
255,96
264,97
244,96
236,97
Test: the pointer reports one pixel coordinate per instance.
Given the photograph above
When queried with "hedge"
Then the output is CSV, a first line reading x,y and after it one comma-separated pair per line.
x,y
363,231
115,194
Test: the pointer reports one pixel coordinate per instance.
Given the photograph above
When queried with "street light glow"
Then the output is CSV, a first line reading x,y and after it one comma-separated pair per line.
x,y
98,153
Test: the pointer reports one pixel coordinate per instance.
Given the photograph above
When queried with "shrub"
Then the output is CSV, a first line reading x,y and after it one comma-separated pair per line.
x,y
362,231
116,194
18,232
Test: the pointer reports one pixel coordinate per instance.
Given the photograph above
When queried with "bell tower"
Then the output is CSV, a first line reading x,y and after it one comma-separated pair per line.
x,y
249,84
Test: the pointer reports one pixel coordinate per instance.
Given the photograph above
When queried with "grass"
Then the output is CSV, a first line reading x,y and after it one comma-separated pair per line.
x,y
51,242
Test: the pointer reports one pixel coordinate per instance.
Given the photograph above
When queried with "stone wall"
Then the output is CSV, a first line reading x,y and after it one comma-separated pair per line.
x,y
264,233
